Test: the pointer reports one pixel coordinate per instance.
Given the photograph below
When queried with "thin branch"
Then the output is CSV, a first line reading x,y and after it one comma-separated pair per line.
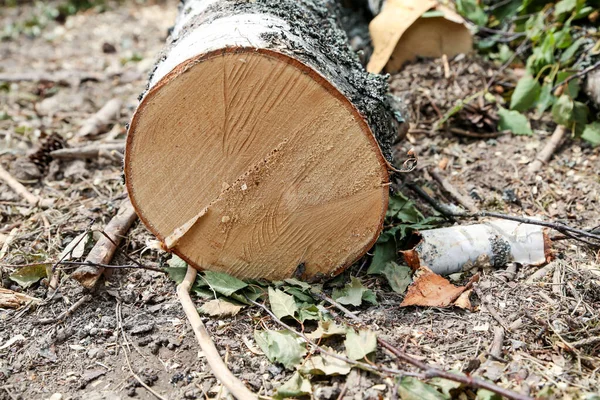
x,y
67,312
216,363
137,378
546,153
580,74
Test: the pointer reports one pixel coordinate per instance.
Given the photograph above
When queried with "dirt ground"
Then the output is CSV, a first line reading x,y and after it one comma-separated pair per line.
x,y
134,321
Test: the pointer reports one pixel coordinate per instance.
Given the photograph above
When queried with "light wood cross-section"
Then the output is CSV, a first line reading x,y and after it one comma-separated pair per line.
x,y
251,163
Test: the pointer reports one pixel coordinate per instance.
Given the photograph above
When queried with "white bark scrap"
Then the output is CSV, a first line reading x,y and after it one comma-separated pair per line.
x,y
493,243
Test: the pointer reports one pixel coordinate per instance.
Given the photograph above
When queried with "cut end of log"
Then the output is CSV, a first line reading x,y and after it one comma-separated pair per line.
x,y
290,174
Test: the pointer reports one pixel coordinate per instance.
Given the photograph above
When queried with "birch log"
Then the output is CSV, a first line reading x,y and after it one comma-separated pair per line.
x,y
261,145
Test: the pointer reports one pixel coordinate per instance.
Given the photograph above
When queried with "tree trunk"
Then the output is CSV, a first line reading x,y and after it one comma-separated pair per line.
x,y
259,148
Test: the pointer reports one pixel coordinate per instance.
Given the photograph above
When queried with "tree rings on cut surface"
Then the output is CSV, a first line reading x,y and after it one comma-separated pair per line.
x,y
284,173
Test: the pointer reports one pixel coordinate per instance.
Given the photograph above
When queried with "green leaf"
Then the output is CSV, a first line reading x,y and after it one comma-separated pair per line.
x,y
177,269
445,385
564,6
526,93
222,283
410,388
403,210
398,276
309,312
483,394
562,111
299,294
573,86
513,121
27,276
472,10
252,292
281,346
580,118
361,344
220,308
546,98
591,133
324,364
384,253
326,329
295,282
282,305
570,52
296,386
354,293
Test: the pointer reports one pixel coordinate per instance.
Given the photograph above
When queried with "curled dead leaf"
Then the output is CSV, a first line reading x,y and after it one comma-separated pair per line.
x,y
431,290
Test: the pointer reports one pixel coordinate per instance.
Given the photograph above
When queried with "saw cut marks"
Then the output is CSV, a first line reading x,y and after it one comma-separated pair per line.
x,y
253,164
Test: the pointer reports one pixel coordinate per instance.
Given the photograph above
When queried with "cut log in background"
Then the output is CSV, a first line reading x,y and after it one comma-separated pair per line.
x,y
260,146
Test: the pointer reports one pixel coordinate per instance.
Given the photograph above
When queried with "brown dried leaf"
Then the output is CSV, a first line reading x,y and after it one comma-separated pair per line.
x,y
432,290
400,34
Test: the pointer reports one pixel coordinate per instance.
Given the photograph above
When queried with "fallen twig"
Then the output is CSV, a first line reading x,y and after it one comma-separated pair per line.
x,y
23,192
97,122
496,347
549,149
61,77
452,191
448,212
87,263
580,74
108,150
137,378
7,241
12,299
491,309
431,371
217,365
67,312
103,251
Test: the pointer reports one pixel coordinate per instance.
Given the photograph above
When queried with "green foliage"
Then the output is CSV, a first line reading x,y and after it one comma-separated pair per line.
x,y
296,386
410,388
513,121
282,305
281,346
553,40
354,293
398,276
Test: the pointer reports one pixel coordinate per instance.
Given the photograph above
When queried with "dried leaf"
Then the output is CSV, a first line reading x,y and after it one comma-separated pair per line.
x,y
281,346
76,247
27,276
220,308
323,364
327,329
463,300
282,305
400,33
359,345
398,276
410,388
296,386
431,290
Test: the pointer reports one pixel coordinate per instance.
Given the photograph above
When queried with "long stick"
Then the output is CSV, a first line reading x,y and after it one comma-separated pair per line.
x,y
22,190
216,363
544,156
104,249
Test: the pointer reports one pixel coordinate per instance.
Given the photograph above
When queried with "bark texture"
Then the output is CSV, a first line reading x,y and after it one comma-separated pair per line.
x,y
311,31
